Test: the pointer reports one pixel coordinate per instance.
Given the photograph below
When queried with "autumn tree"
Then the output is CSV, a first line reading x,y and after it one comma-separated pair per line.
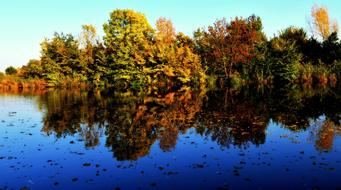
x,y
174,55
165,31
32,69
321,24
226,44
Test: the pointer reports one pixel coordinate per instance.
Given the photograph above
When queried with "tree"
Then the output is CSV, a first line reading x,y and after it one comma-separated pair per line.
x,y
165,31
10,70
321,25
128,38
33,69
60,58
175,57
226,44
331,49
284,58
295,35
88,43
100,67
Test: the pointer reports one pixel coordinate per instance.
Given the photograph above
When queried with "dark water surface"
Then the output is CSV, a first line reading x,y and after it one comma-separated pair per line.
x,y
231,139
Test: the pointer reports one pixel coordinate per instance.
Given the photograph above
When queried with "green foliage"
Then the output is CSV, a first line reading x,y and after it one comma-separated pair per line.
x,y
60,58
331,49
284,60
321,74
336,69
99,70
306,73
128,37
10,70
235,81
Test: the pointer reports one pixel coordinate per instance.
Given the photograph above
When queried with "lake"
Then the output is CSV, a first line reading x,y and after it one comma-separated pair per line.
x,y
218,139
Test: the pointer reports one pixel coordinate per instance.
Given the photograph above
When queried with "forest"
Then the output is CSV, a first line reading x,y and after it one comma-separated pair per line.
x,y
236,52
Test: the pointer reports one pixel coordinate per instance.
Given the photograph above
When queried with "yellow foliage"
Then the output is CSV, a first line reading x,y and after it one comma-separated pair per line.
x,y
322,24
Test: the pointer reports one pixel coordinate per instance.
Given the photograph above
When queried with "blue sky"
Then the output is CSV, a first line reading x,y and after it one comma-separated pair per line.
x,y
25,23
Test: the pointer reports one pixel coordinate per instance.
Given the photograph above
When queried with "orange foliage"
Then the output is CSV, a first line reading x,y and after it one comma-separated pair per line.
x,y
322,24
165,31
230,43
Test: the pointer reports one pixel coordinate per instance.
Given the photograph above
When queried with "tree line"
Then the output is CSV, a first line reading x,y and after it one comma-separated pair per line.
x,y
132,54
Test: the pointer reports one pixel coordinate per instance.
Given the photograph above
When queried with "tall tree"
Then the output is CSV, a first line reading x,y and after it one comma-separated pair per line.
x,y
321,24
128,38
88,41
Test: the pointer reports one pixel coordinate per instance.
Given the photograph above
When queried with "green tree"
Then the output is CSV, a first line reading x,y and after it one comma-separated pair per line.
x,y
285,59
10,70
331,49
128,39
100,67
60,58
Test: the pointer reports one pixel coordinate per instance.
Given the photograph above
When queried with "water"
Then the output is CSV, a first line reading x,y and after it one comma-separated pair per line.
x,y
233,139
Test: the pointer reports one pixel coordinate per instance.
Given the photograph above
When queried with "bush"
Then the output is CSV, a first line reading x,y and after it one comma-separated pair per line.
x,y
235,81
285,61
321,74
10,70
336,69
306,74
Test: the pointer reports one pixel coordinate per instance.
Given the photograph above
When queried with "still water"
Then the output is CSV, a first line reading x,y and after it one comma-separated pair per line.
x,y
230,139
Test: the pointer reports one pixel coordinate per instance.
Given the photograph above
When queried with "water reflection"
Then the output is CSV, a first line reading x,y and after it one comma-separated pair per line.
x,y
133,123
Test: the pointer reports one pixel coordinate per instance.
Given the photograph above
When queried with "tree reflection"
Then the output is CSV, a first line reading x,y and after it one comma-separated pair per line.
x,y
138,122
237,121
323,132
71,112
133,122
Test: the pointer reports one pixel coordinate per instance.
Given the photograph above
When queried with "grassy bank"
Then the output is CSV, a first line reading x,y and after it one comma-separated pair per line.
x,y
13,82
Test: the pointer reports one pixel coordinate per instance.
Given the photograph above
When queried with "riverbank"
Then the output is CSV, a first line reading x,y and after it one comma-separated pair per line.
x,y
12,82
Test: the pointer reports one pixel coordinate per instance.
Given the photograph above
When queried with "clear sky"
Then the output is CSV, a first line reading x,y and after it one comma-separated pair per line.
x,y
25,23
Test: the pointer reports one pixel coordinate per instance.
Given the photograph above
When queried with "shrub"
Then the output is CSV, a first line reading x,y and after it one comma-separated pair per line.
x,y
306,74
285,61
10,70
321,74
